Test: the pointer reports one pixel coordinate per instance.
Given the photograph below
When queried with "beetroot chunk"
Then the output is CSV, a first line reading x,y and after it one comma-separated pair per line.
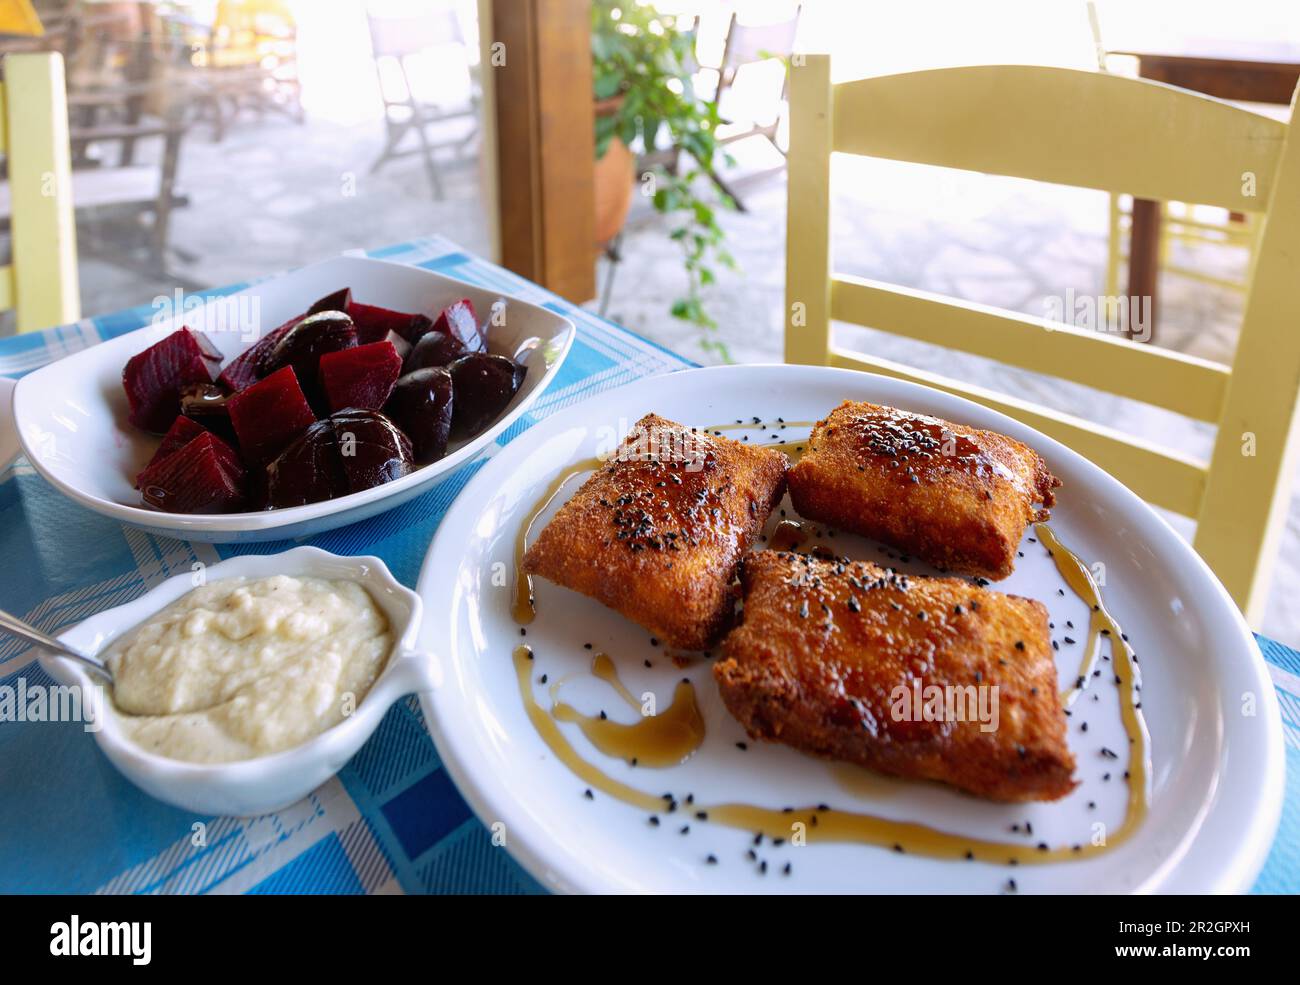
x,y
204,476
361,377
153,378
374,323
268,415
246,368
460,323
180,434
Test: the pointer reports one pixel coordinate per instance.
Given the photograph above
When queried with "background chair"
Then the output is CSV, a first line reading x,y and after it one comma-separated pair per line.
x,y
1088,130
40,283
398,41
128,85
753,110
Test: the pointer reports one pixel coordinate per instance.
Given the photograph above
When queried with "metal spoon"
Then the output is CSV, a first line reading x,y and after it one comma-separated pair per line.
x,y
16,627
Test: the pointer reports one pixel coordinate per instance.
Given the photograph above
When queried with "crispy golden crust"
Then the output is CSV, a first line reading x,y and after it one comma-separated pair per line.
x,y
824,644
952,495
657,531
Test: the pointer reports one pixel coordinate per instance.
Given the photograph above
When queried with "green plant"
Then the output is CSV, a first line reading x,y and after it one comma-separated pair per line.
x,y
643,57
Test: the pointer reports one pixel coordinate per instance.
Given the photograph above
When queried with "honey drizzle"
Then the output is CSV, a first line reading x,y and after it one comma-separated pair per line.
x,y
657,741
816,824
820,825
1079,578
788,536
524,607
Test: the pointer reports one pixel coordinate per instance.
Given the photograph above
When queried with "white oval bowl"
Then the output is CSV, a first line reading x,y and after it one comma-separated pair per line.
x,y
268,783
71,416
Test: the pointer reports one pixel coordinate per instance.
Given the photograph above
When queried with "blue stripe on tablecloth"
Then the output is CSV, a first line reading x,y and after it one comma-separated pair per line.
x,y
323,868
393,815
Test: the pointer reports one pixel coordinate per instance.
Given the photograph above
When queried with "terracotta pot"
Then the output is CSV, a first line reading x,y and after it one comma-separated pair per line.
x,y
614,181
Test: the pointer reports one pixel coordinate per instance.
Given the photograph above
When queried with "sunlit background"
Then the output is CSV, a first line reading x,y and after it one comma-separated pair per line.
x,y
317,161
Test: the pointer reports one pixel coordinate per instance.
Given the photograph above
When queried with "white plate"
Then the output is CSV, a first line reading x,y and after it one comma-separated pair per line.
x,y
71,415
1217,772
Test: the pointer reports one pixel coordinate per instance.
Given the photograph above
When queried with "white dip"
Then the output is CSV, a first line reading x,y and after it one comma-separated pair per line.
x,y
242,668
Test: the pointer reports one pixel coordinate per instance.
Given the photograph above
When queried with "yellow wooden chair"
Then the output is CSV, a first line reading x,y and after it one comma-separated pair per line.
x,y
41,282
1087,130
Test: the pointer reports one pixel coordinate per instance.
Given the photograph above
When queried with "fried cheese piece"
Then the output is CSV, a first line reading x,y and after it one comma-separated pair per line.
x,y
952,495
924,678
656,532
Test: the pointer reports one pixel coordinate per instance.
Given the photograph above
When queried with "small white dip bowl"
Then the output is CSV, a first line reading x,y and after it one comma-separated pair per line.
x,y
267,783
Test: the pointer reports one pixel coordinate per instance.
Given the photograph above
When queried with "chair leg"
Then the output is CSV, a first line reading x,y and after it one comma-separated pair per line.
x,y
725,189
613,254
430,165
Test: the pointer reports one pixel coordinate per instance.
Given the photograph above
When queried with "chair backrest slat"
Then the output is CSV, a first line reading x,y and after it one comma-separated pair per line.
x,y
44,282
1184,384
1088,130
747,43
1067,127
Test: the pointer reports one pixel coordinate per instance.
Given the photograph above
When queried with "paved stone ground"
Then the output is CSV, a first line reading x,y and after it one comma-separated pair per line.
x,y
274,195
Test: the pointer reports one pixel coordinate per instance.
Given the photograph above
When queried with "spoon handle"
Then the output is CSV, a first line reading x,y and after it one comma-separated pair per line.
x,y
14,626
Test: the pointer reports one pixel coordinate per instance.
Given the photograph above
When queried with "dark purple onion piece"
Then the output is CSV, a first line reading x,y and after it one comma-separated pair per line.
x,y
372,448
483,385
338,301
421,405
434,349
308,471
303,345
205,403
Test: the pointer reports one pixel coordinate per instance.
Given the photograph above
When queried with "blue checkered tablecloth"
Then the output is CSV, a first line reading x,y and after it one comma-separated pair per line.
x,y
391,821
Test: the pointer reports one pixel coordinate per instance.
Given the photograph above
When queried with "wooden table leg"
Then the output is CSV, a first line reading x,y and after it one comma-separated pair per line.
x,y
1143,269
